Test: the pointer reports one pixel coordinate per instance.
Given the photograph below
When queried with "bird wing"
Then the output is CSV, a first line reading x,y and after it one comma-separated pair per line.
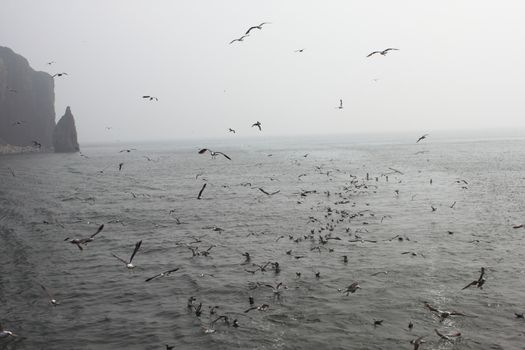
x,y
263,191
271,194
473,283
47,292
263,23
224,155
119,258
390,48
153,277
202,189
146,96
100,228
250,309
234,40
137,246
373,53
203,150
248,31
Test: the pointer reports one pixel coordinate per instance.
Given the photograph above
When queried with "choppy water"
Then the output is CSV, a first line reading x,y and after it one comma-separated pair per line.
x,y
105,306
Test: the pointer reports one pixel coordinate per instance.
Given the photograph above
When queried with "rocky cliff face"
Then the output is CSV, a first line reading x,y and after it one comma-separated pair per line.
x,y
65,135
27,99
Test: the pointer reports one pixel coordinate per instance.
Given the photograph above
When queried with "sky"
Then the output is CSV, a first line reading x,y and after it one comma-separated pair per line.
x,y
460,65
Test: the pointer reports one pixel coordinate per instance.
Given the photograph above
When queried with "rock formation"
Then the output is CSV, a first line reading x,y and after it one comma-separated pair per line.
x,y
65,134
28,97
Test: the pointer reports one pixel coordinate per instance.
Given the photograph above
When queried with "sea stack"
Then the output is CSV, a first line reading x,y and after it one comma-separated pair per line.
x,y
65,134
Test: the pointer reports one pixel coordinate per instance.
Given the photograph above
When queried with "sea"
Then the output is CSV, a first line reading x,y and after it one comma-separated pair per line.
x,y
411,223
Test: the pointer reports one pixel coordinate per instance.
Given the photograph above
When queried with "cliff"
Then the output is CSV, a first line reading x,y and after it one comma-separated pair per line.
x,y
27,99
65,134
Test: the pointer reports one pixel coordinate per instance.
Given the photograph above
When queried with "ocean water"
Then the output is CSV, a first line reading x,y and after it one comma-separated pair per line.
x,y
104,305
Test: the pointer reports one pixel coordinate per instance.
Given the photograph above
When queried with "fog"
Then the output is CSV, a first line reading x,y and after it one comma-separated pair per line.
x,y
459,65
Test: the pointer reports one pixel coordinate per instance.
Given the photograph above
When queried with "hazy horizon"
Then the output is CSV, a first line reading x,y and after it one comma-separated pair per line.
x,y
458,66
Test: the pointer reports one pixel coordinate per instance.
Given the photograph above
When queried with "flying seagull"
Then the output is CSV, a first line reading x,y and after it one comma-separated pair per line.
x,y
267,193
18,122
258,124
256,27
422,138
37,144
383,53
128,264
202,190
52,300
213,153
231,130
128,150
262,307
417,342
351,288
5,333
50,63
443,314
340,104
162,274
120,166
479,282
239,39
85,241
300,50
59,74
151,98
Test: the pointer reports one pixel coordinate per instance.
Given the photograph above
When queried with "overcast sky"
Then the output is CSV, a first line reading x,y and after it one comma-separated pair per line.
x,y
460,65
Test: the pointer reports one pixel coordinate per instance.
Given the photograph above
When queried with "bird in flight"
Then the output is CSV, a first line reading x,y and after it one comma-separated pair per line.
x,y
383,53
300,50
59,74
50,63
258,124
18,122
5,333
151,98
85,241
256,27
213,153
351,288
239,39
417,342
128,150
202,190
52,300
129,264
11,90
120,166
479,282
162,274
231,130
267,193
422,138
340,105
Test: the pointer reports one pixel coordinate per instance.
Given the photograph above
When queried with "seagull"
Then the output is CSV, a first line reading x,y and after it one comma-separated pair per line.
x,y
12,90
262,307
258,124
231,130
240,39
213,153
52,300
417,342
448,336
479,282
443,314
50,63
128,150
120,166
85,241
300,50
422,138
267,193
162,274
351,288
59,74
128,264
18,122
383,53
151,98
340,104
12,172
202,190
256,27
4,333
37,144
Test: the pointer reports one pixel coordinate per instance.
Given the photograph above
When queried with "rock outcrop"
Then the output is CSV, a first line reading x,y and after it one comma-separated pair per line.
x,y
27,102
65,134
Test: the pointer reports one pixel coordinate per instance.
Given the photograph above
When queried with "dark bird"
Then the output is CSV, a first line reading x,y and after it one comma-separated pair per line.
x,y
518,315
383,53
300,50
170,347
128,264
162,274
378,323
351,288
239,39
127,150
213,153
50,63
37,144
59,74
340,105
258,124
120,166
85,241
267,193
151,98
256,27
231,130
479,282
202,190
18,122
410,325
422,138
52,300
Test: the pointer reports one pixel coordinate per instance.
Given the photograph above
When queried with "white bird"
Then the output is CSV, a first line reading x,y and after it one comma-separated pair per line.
x,y
129,264
5,333
85,241
52,300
